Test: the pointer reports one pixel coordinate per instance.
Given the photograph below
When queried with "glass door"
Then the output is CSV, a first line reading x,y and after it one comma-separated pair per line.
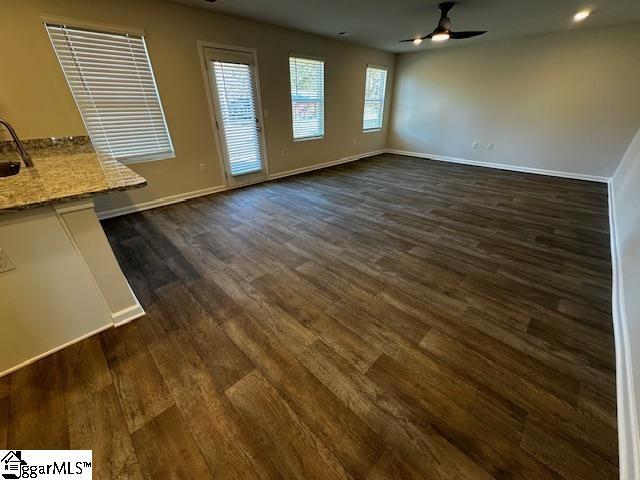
x,y
238,114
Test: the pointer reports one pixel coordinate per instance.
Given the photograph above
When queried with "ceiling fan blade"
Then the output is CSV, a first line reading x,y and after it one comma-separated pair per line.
x,y
460,35
421,38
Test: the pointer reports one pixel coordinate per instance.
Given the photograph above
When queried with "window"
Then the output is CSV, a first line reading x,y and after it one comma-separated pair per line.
x,y
375,84
111,80
307,97
237,106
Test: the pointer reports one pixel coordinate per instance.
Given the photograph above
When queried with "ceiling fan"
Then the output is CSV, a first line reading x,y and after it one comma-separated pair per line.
x,y
443,30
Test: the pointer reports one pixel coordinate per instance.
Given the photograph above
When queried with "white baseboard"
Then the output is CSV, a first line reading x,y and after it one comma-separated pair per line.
x,y
500,166
127,315
318,166
628,427
159,202
120,318
54,350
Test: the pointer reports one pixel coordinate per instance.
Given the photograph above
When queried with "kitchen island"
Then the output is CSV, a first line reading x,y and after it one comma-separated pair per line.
x,y
59,279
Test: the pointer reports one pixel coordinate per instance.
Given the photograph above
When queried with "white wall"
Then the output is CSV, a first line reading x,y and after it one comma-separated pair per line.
x,y
625,188
50,299
565,102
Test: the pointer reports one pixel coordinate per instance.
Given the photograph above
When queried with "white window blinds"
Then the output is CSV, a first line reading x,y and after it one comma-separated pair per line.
x,y
307,97
376,81
112,82
234,84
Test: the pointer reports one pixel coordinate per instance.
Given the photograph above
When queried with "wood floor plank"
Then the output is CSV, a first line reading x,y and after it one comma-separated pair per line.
x,y
487,372
37,417
141,389
391,466
598,405
174,308
350,439
308,306
563,386
84,370
128,340
211,296
429,452
97,423
491,441
575,364
272,419
165,449
572,336
223,359
206,412
5,386
572,462
139,256
555,411
4,422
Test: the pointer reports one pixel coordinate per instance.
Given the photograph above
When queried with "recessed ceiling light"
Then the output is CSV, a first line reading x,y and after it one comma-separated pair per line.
x,y
440,37
581,15
417,41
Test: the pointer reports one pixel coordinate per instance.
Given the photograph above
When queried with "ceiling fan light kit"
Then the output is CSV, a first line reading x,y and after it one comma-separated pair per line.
x,y
443,31
581,15
440,37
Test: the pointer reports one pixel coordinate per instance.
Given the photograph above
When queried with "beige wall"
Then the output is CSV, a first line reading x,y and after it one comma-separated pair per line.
x,y
566,102
34,95
625,189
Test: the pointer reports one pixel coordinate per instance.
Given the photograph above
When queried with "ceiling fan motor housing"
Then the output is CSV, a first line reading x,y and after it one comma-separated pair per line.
x,y
444,25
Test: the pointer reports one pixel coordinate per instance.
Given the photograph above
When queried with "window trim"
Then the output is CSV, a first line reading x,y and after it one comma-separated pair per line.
x,y
89,25
307,56
148,158
308,139
108,28
324,75
384,98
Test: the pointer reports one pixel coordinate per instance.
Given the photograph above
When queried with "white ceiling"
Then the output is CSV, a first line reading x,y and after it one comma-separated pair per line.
x,y
381,23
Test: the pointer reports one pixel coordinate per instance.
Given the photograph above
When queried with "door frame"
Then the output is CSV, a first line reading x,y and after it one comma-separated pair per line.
x,y
202,45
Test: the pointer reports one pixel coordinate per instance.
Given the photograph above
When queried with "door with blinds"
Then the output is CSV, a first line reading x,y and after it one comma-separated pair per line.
x,y
237,114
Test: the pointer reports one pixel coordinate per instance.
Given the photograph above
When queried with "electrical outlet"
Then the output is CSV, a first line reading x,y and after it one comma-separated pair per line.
x,y
6,265
203,167
282,155
355,140
474,145
489,146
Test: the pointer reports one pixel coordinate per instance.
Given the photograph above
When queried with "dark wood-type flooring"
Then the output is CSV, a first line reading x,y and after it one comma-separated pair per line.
x,y
388,318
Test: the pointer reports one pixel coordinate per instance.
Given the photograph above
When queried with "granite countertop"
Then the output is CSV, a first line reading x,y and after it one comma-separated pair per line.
x,y
64,169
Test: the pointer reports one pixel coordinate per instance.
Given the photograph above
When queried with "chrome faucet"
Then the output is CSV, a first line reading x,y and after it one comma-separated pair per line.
x,y
26,158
